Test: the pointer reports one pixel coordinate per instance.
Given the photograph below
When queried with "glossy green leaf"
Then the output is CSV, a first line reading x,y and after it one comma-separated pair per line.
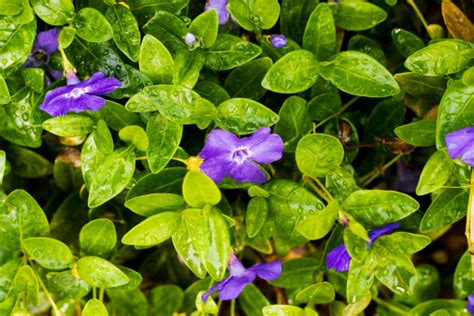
x,y
359,74
427,286
420,133
255,15
199,189
447,208
116,116
165,300
319,293
92,26
318,225
296,273
27,163
34,78
294,16
256,215
374,208
324,105
453,307
441,58
134,135
187,66
463,280
320,32
95,307
435,174
65,285
455,111
358,15
383,120
98,237
282,310
25,281
244,81
318,154
99,272
141,6
4,93
168,180
294,72
367,46
243,116
205,27
151,204
66,36
69,125
10,7
169,29
229,52
153,230
131,302
251,300
421,86
54,12
126,33
406,42
294,122
48,252
111,176
155,60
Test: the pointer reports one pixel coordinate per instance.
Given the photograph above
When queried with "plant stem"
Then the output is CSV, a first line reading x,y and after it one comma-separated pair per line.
x,y
344,107
55,308
101,294
232,308
470,222
391,307
323,188
307,181
418,13
365,180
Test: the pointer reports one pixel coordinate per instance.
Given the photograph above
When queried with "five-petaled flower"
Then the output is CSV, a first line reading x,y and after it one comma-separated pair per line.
x,y
339,258
45,45
231,287
470,304
278,41
220,7
460,144
79,96
225,154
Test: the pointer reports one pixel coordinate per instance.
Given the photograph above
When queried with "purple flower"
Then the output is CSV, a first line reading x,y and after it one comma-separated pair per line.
x,y
79,96
278,41
190,39
220,7
231,287
470,304
225,154
339,258
461,144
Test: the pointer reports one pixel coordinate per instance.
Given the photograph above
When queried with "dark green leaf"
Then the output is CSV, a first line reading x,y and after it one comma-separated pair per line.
x,y
256,215
296,273
187,67
367,46
421,133
92,26
27,163
126,33
406,42
358,15
320,32
165,300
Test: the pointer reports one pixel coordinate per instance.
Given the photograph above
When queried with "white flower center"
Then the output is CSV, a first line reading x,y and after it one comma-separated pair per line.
x,y
240,155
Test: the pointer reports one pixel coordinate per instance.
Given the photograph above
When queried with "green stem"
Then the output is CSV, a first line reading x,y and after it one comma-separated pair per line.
x,y
232,308
55,308
342,110
322,187
391,307
418,13
101,294
307,181
470,222
365,180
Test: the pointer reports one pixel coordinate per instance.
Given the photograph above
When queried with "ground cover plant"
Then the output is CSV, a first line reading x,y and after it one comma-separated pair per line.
x,y
236,157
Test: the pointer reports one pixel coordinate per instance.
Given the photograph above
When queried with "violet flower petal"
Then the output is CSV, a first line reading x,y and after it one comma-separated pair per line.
x,y
278,41
384,230
246,172
470,304
214,288
86,102
267,271
216,168
47,41
220,7
264,147
235,266
98,84
460,143
232,289
219,142
339,259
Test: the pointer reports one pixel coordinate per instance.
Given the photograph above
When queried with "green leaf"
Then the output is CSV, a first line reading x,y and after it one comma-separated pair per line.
x,y
447,208
463,280
65,285
126,33
229,52
205,27
441,58
427,286
66,36
251,300
296,273
421,86
25,281
318,225
406,42
199,189
294,16
367,46
454,307
134,135
359,74
92,26
324,105
187,66
69,125
3,165
374,208
17,40
168,180
116,115
155,60
244,81
282,310
455,111
318,154
10,7
48,252
165,300
147,6
255,15
54,12
153,230
243,116
34,78
420,133
319,293
320,32
98,237
358,15
164,136
256,215
151,204
360,279
211,91
132,302
27,163
94,307
208,307
169,29
385,117
4,93
293,73
294,122
435,174
100,273
111,176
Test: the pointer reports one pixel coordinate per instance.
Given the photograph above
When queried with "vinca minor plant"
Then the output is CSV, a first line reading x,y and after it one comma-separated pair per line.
x,y
236,157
